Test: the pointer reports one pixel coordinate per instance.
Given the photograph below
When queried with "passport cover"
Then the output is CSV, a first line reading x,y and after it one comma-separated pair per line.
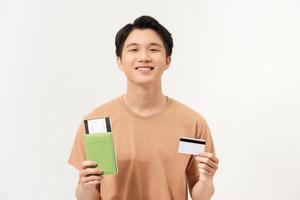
x,y
100,148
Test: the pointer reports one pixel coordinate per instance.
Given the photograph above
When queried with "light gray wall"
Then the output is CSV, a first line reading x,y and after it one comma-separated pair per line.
x,y
236,62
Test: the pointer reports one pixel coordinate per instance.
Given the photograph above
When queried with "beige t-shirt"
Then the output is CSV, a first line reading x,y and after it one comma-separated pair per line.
x,y
149,164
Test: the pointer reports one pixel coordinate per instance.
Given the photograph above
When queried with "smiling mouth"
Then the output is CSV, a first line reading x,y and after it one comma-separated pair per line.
x,y
144,68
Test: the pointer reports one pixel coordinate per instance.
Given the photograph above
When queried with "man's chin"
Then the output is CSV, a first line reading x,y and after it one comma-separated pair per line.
x,y
145,82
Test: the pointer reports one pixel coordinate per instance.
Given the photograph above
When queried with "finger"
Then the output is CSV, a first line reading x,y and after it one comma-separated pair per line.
x,y
93,183
88,164
204,172
209,155
207,168
87,179
91,171
207,161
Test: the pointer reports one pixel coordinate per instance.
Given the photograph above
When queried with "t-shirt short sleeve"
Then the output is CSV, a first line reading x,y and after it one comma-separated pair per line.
x,y
202,132
78,150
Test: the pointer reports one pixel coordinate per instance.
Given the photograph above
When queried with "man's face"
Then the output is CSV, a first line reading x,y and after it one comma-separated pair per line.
x,y
143,57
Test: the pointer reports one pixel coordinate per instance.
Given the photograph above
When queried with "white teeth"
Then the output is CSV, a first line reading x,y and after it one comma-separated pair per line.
x,y
144,69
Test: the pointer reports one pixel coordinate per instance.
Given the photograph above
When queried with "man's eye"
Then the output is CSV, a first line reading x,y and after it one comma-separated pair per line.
x,y
133,50
154,50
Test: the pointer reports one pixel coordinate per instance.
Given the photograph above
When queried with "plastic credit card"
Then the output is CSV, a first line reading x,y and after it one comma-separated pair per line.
x,y
100,125
191,145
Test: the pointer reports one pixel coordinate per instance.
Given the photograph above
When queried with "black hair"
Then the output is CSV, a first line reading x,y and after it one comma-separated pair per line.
x,y
144,22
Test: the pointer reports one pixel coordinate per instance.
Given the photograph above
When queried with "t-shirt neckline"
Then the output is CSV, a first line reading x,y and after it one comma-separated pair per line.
x,y
128,110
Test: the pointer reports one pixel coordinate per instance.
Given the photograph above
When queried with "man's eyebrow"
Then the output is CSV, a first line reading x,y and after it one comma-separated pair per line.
x,y
155,44
136,44
132,44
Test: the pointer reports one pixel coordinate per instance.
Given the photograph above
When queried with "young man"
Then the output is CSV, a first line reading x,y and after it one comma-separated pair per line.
x,y
146,128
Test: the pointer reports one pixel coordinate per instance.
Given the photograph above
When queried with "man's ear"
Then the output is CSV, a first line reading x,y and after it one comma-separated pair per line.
x,y
119,61
168,62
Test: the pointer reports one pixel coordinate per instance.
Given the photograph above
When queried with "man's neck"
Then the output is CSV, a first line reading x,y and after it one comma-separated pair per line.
x,y
145,100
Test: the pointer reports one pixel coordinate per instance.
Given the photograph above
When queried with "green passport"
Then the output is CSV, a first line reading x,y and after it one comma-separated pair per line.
x,y
99,144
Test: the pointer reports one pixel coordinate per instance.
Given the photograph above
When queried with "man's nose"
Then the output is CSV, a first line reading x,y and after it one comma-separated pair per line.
x,y
144,57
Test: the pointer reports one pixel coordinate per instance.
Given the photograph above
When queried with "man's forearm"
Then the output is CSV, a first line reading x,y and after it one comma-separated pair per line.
x,y
91,193
203,190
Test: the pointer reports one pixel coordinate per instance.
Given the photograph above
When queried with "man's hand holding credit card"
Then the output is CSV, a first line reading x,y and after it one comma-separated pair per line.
x,y
207,162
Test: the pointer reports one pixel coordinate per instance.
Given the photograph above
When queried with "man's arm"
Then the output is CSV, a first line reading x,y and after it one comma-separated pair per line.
x,y
203,190
90,192
207,166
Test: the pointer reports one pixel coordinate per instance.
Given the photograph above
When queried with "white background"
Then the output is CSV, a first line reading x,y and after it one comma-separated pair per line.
x,y
236,62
